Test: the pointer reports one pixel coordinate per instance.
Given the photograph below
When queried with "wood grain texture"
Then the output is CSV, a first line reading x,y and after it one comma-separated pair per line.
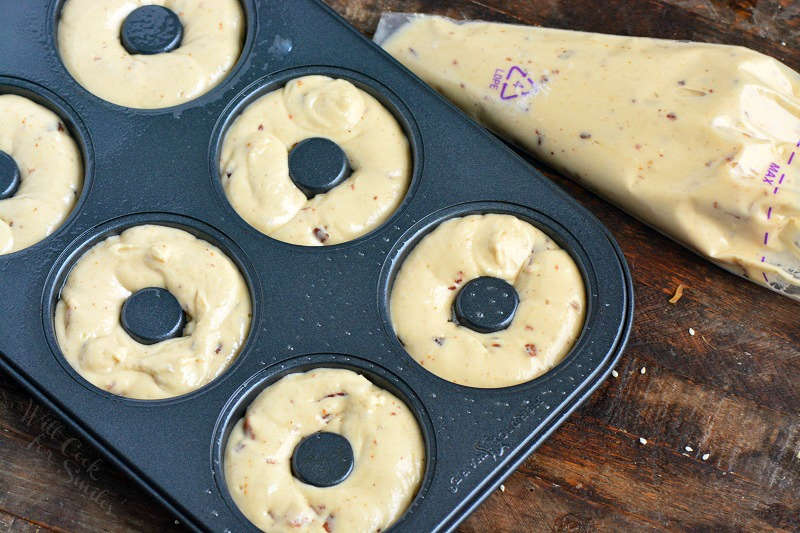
x,y
719,410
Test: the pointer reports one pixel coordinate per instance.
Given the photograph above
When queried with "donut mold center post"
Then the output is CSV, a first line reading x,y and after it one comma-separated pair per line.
x,y
152,315
151,30
486,304
9,176
323,459
317,165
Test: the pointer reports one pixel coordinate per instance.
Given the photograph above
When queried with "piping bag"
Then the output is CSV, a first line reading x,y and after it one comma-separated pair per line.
x,y
700,141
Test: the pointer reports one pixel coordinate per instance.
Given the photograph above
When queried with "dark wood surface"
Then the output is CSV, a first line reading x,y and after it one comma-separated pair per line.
x,y
720,410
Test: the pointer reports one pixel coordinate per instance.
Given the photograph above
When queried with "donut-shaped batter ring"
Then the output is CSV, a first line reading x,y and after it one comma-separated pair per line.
x,y
207,284
50,168
91,49
387,444
254,164
547,322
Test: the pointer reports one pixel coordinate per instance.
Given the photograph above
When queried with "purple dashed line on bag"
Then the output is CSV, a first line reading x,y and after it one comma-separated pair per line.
x,y
774,191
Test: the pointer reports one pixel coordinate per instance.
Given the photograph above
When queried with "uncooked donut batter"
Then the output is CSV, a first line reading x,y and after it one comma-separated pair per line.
x,y
90,46
387,447
702,141
208,285
547,322
50,167
255,170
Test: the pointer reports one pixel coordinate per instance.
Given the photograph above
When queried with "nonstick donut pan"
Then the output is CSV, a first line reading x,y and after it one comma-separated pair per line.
x,y
312,306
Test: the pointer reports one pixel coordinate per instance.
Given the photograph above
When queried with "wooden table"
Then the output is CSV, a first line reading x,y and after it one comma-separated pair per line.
x,y
720,410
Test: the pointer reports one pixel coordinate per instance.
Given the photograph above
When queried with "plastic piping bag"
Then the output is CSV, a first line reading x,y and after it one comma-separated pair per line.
x,y
700,141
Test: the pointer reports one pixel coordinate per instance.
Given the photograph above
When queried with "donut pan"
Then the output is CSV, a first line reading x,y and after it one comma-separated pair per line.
x,y
312,307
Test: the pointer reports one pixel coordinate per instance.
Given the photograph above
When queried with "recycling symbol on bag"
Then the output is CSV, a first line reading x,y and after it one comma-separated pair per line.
x,y
517,84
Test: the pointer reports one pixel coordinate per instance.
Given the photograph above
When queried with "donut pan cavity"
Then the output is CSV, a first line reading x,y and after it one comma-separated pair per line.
x,y
312,307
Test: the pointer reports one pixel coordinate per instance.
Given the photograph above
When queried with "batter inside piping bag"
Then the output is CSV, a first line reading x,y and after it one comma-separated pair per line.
x,y
700,141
